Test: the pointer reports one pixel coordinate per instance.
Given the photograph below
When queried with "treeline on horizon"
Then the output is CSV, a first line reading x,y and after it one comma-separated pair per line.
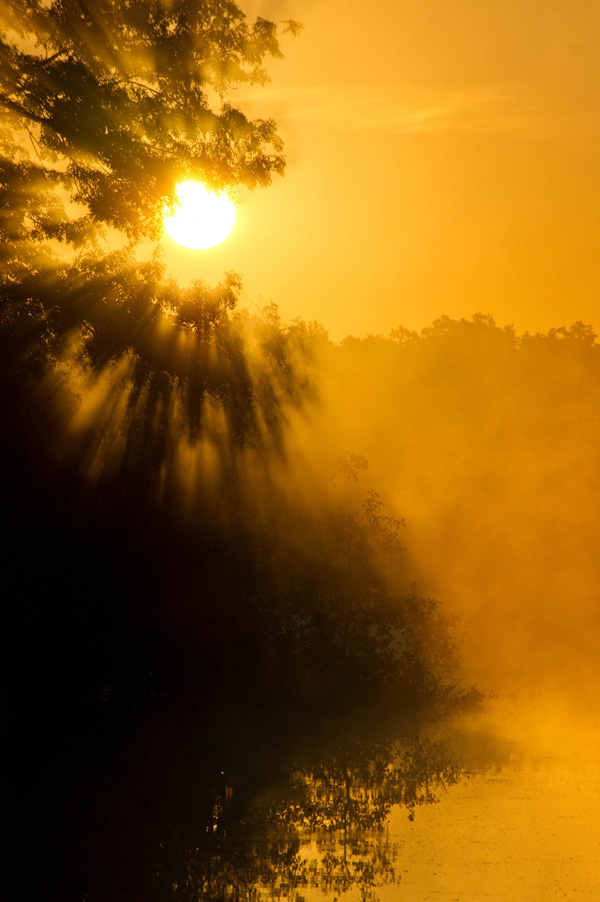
x,y
486,442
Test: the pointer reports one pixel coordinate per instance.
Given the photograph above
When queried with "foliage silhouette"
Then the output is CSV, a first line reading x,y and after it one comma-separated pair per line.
x,y
121,93
106,107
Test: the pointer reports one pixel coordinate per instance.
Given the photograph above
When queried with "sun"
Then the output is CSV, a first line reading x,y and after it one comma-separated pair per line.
x,y
201,218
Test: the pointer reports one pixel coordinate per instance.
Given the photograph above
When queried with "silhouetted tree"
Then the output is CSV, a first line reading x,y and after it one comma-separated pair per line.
x,y
106,106
117,100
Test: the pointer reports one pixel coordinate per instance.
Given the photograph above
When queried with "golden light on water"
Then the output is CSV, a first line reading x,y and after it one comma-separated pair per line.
x,y
202,218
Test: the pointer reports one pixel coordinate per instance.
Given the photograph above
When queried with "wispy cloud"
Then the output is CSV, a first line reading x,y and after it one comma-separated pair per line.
x,y
394,110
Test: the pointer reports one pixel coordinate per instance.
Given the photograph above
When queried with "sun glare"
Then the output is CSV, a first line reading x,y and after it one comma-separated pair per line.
x,y
201,218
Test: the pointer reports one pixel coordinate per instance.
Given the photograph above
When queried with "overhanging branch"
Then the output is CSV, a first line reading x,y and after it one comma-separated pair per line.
x,y
16,107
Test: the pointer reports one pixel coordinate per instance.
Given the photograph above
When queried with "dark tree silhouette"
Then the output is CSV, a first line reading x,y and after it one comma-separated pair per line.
x,y
121,93
106,106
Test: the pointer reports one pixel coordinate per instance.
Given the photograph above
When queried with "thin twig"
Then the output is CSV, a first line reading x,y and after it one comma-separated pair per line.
x,y
34,142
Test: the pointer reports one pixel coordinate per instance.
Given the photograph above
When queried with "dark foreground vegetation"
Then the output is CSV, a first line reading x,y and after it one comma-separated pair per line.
x,y
165,672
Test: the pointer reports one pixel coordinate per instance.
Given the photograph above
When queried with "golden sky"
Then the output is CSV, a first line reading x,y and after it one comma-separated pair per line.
x,y
443,158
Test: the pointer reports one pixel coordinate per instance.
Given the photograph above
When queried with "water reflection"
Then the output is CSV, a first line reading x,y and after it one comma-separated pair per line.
x,y
321,830
524,829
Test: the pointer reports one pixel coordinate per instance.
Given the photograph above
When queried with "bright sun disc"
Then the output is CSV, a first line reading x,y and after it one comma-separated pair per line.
x,y
201,218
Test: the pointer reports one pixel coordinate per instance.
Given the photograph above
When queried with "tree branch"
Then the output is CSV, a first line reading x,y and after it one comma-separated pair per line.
x,y
17,108
50,59
140,84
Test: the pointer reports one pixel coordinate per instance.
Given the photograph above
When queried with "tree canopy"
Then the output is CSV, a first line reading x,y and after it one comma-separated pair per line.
x,y
105,108
119,101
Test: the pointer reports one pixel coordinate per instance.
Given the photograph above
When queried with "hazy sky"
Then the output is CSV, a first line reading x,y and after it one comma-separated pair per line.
x,y
443,158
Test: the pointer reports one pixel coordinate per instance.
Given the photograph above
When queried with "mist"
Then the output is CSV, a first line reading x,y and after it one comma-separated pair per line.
x,y
485,441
